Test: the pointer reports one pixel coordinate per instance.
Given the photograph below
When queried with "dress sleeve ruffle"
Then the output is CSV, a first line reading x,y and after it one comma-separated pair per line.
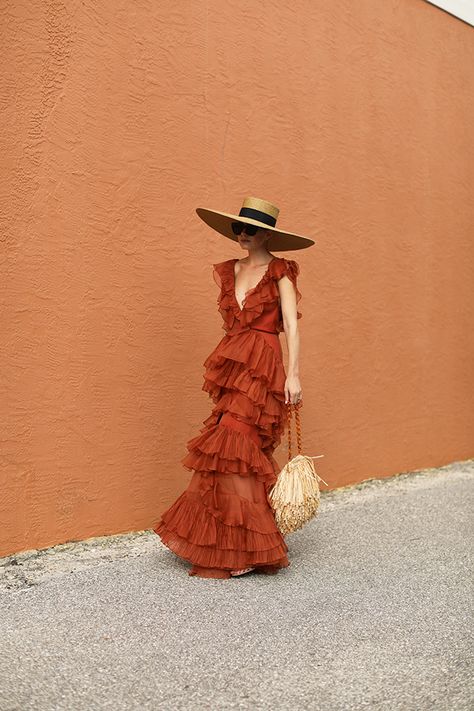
x,y
290,268
216,273
224,279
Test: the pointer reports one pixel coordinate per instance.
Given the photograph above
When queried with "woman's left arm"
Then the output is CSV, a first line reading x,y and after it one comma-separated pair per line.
x,y
290,326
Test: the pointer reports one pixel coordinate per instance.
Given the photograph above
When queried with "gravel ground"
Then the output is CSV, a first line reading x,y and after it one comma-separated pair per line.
x,y
374,612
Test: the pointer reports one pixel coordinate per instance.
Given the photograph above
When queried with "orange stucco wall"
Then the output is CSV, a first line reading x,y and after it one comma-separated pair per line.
x,y
118,119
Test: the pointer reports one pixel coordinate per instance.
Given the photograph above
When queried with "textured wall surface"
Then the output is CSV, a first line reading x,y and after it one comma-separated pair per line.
x,y
118,119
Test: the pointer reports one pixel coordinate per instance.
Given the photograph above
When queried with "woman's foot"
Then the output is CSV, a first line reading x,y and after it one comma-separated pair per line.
x,y
234,573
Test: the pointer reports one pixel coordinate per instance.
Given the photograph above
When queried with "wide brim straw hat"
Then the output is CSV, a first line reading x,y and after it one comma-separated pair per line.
x,y
261,213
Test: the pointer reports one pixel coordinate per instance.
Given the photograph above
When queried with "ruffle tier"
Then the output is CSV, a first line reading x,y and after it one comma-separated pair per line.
x,y
227,451
224,534
246,377
211,557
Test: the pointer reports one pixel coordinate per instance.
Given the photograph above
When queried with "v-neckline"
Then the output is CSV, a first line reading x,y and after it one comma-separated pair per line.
x,y
241,308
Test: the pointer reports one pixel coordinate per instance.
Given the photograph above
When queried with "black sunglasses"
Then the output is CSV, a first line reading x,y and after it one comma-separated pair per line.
x,y
249,230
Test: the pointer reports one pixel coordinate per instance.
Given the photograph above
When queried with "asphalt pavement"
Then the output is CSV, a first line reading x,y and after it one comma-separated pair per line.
x,y
374,612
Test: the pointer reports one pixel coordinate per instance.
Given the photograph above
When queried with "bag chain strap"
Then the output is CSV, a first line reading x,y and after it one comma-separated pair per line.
x,y
294,407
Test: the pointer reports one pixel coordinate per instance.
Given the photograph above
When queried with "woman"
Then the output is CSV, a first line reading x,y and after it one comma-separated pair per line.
x,y
223,523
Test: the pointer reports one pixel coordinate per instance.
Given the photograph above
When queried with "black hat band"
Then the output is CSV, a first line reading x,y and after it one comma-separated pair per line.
x,y
257,215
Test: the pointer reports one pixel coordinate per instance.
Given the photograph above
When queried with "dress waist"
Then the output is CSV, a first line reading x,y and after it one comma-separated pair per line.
x,y
266,330
254,328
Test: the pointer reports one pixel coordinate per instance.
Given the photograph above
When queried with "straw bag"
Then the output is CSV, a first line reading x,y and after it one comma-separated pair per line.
x,y
295,495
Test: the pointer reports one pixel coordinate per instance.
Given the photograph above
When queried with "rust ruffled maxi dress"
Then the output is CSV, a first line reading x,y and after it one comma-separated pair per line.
x,y
224,520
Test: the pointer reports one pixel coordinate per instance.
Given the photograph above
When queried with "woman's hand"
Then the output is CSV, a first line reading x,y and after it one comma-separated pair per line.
x,y
292,389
